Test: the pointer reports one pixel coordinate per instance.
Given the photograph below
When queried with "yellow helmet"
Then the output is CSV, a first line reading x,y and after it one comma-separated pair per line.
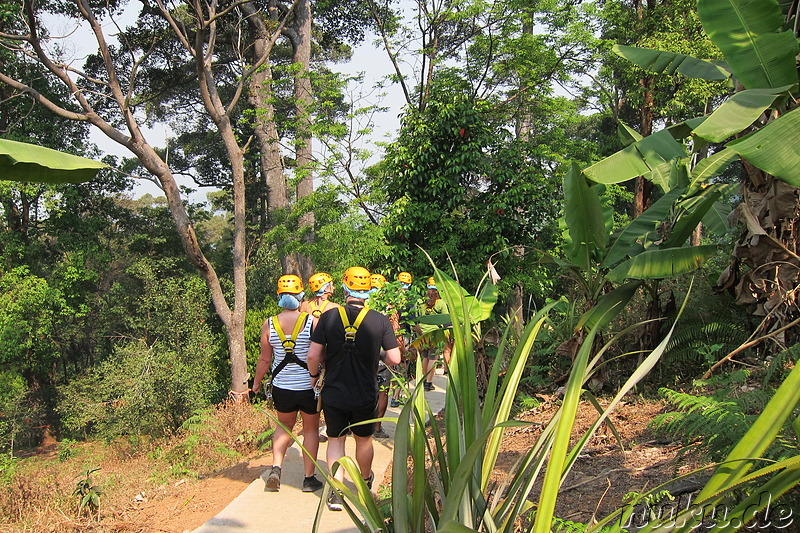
x,y
431,282
377,280
290,284
319,280
404,277
357,279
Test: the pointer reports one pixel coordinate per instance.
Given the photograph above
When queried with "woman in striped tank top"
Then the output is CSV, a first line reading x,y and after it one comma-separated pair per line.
x,y
285,339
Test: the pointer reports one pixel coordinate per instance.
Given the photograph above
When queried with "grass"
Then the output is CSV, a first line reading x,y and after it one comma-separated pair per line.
x,y
39,494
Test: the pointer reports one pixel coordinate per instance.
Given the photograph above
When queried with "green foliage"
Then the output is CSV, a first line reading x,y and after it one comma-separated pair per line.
x,y
21,414
719,414
8,466
254,321
87,493
699,344
393,297
67,449
29,307
139,390
461,188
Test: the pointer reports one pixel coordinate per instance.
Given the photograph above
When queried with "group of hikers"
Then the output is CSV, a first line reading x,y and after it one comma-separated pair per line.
x,y
323,357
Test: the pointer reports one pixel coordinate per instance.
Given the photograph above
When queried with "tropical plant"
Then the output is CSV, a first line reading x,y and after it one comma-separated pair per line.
x,y
759,125
609,266
450,471
87,493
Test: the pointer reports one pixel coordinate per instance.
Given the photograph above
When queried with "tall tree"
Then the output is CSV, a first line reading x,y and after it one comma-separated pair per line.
x,y
109,103
636,96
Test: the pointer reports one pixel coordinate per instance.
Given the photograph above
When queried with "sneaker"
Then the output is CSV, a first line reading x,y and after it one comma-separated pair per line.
x,y
369,480
395,403
274,480
380,434
311,484
429,386
335,502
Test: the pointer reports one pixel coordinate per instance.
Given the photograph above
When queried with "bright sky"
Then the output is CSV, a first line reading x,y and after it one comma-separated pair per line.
x,y
373,62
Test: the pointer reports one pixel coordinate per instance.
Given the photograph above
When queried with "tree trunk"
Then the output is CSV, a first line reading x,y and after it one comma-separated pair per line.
x,y
642,187
303,104
266,131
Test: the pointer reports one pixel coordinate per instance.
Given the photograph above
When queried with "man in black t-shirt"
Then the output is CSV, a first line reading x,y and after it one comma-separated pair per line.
x,y
350,391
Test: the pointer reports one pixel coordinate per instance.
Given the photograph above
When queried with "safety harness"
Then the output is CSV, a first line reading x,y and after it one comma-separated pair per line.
x,y
350,330
317,310
289,343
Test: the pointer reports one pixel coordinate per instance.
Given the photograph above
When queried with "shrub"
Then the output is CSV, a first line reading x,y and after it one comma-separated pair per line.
x,y
20,415
139,390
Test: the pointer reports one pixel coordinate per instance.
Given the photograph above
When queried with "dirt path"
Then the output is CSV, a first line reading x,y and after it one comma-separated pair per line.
x,y
595,487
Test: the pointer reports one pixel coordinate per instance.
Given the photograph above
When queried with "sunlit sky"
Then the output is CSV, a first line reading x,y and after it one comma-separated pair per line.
x,y
77,43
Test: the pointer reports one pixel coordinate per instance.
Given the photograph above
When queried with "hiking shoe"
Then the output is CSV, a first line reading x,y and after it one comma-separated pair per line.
x,y
369,480
311,483
380,434
274,480
335,501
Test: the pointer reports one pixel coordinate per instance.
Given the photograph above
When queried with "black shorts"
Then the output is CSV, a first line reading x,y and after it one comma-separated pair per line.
x,y
337,419
289,401
384,378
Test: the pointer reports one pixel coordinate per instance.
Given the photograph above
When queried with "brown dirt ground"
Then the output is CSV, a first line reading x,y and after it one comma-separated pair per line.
x,y
601,477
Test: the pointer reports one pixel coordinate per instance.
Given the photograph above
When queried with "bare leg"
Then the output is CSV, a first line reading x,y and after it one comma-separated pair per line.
x,y
364,454
282,439
383,403
428,367
448,350
310,441
335,452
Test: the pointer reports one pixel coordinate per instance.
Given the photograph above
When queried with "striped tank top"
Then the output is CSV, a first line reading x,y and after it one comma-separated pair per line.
x,y
292,376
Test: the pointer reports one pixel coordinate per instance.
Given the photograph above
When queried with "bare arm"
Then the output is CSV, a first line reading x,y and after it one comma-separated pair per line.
x,y
265,359
316,359
393,357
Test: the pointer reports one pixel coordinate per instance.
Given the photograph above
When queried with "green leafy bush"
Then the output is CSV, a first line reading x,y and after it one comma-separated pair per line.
x,y
20,415
139,390
719,413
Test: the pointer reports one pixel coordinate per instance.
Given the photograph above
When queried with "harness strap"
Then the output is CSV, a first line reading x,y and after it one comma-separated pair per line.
x,y
316,310
350,330
289,343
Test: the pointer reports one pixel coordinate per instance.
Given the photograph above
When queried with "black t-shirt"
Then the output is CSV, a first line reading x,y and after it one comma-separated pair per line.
x,y
351,376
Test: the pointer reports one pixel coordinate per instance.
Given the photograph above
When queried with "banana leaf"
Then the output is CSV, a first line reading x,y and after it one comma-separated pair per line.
x,y
681,130
627,135
661,175
716,220
627,241
694,210
28,162
773,148
711,166
662,263
584,218
608,306
662,62
738,112
678,174
748,34
638,159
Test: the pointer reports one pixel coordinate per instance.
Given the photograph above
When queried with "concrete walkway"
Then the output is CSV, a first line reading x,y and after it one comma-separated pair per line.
x,y
290,510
